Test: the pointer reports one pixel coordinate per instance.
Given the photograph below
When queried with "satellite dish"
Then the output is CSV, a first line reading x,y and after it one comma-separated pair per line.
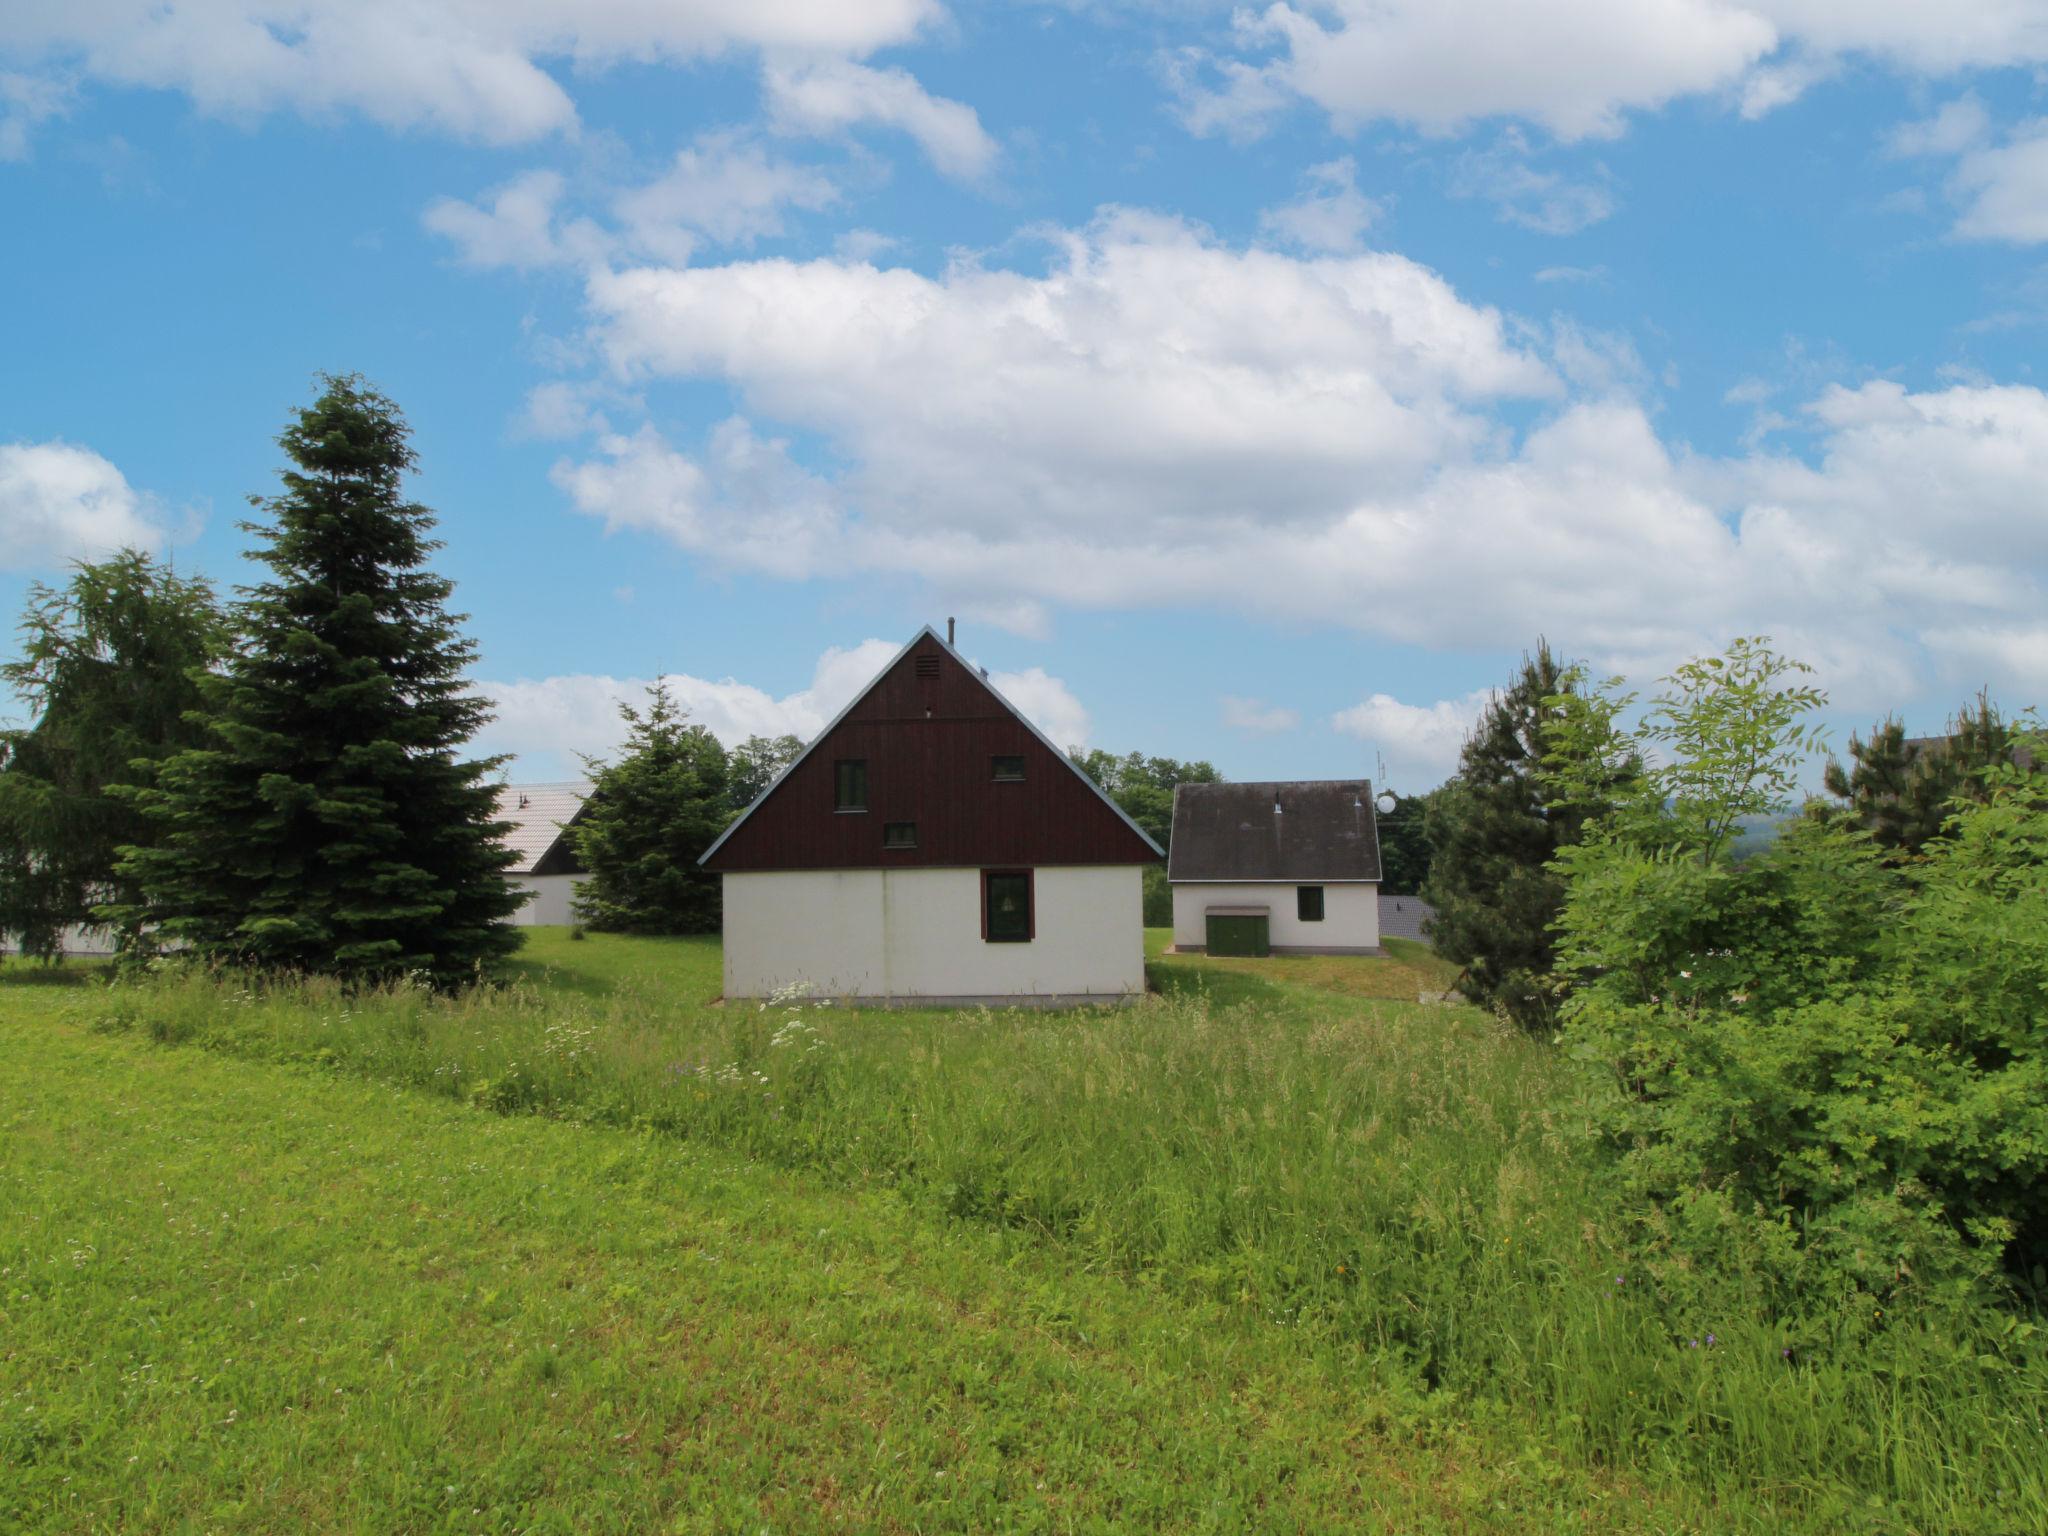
x,y
1386,801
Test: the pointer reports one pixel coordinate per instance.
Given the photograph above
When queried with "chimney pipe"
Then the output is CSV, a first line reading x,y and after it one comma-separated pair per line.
x,y
949,631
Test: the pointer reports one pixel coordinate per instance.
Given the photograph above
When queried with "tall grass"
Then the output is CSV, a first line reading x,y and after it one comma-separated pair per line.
x,y
1401,1184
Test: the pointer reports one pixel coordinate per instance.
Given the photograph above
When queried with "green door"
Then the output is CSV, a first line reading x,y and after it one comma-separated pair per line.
x,y
1238,934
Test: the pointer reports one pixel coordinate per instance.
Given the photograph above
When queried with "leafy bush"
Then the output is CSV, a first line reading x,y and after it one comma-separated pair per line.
x,y
1844,1056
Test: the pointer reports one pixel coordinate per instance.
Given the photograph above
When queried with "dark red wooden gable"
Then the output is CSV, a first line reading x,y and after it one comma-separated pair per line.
x,y
929,730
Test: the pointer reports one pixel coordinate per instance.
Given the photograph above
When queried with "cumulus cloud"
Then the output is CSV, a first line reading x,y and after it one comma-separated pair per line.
x,y
1256,717
1579,67
516,226
60,502
467,67
549,723
1420,742
1330,215
1157,420
1999,181
1150,376
828,96
723,189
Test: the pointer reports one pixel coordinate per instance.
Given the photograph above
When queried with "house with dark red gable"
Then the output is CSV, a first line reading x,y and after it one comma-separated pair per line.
x,y
931,846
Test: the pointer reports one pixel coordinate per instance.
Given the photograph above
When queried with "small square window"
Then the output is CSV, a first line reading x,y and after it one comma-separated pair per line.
x,y
1308,903
1007,770
1006,906
899,834
850,784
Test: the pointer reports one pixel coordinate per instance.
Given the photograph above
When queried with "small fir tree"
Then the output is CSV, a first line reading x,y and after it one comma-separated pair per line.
x,y
650,816
109,666
330,823
1902,794
1493,830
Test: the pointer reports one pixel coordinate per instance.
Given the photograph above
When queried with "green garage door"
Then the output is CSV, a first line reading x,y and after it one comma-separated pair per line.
x,y
1239,931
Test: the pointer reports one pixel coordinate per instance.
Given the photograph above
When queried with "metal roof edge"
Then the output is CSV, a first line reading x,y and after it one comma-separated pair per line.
x,y
1059,752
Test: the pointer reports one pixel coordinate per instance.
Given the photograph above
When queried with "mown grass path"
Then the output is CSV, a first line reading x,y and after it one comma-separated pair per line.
x,y
238,1296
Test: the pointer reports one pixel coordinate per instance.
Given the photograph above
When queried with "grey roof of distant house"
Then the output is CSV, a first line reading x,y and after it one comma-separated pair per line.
x,y
1325,831
538,812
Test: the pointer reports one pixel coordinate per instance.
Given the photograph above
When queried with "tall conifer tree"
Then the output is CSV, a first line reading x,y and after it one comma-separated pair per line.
x,y
1492,831
331,822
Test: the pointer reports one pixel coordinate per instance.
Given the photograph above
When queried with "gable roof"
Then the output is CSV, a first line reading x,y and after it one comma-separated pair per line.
x,y
538,813
927,641
1324,832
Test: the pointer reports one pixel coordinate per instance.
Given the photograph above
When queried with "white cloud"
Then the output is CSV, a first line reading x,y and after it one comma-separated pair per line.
x,y
1258,717
1579,67
547,722
1572,275
2005,188
723,188
1999,182
517,228
1420,742
1331,215
25,101
1047,703
468,67
1149,377
1549,202
61,502
1159,421
1957,126
828,96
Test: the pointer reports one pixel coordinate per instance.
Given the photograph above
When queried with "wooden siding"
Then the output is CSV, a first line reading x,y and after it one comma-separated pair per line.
x,y
929,742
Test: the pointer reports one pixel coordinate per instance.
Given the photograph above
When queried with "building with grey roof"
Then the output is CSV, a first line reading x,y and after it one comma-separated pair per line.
x,y
1259,868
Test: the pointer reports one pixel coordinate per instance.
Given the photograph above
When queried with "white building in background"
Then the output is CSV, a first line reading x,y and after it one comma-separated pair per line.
x,y
1272,868
932,847
546,868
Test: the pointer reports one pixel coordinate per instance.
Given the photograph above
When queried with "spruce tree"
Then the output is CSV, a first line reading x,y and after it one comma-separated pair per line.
x,y
650,816
1902,794
331,823
1492,832
109,665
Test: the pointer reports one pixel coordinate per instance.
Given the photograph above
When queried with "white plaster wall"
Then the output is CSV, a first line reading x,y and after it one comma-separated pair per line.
x,y
547,901
917,933
1351,914
76,941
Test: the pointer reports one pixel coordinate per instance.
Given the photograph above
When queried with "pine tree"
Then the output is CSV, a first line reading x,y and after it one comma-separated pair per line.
x,y
650,816
1902,794
1492,832
330,823
109,666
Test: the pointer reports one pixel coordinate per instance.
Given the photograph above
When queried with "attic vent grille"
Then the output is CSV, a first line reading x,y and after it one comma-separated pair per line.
x,y
928,666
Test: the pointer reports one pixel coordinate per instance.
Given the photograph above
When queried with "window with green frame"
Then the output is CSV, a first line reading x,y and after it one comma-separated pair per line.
x,y
1308,903
850,784
1006,916
899,834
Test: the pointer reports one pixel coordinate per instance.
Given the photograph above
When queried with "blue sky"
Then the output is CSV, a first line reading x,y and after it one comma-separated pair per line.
x,y
1252,385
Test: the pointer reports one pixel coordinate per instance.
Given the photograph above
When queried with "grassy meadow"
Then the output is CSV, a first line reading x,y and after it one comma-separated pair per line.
x,y
1285,1246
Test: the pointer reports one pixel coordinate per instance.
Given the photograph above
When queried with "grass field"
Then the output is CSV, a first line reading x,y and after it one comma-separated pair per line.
x,y
1281,1248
